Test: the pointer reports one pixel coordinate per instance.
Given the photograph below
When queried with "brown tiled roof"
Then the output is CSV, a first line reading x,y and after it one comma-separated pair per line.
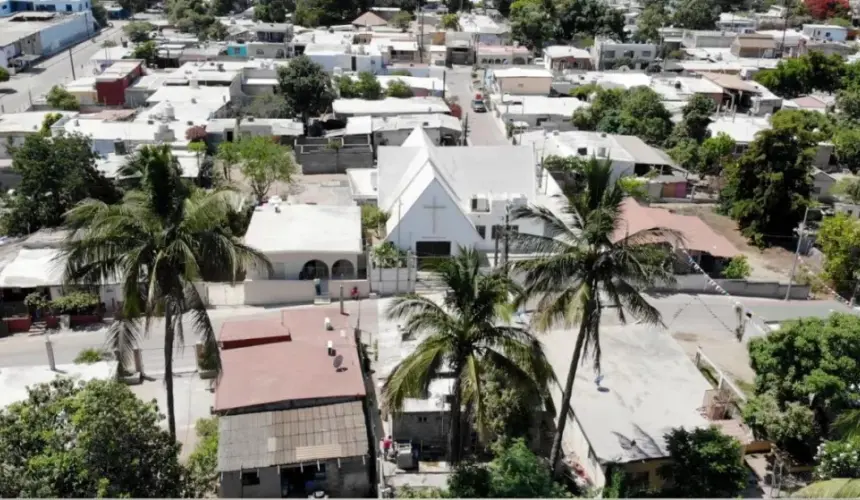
x,y
756,41
297,369
291,436
369,19
695,234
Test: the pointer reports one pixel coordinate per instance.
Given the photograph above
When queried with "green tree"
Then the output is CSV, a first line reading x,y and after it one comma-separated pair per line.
x,y
373,220
532,24
848,103
133,6
577,264
696,118
94,440
99,13
811,363
222,7
467,333
203,461
306,87
147,51
581,19
838,459
60,98
804,75
229,155
4,75
369,87
515,472
268,105
510,412
652,18
56,173
715,153
217,31
402,20
849,188
737,269
273,11
450,22
696,15
846,145
839,239
704,463
347,87
768,188
138,31
48,122
312,13
264,162
686,153
638,111
156,242
398,88
810,127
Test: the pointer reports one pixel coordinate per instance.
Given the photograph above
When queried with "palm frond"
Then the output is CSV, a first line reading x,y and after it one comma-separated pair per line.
x,y
122,338
411,377
202,323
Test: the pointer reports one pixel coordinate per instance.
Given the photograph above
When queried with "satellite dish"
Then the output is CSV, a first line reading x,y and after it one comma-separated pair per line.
x,y
338,361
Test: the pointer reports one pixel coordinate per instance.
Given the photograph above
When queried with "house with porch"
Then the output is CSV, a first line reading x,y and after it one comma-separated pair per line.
x,y
441,198
291,401
308,246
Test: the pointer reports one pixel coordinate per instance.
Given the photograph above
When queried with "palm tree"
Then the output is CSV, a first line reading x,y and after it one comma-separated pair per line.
x,y
582,265
466,334
155,242
831,488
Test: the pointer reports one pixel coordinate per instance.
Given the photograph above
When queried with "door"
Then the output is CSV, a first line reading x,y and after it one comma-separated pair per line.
x,y
427,251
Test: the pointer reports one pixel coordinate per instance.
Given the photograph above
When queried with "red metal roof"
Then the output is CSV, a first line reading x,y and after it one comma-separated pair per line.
x,y
249,332
297,369
695,234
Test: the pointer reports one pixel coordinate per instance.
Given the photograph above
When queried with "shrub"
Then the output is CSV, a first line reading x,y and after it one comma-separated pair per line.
x,y
35,301
91,355
387,255
838,459
738,268
75,303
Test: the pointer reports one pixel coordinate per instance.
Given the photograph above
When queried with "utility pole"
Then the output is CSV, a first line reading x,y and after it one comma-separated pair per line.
x,y
496,255
800,234
507,230
72,62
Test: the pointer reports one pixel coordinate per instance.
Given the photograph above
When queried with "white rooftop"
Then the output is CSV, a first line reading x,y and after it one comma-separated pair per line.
x,y
557,51
512,105
34,268
27,122
741,128
111,54
390,106
183,112
276,126
14,380
572,143
414,82
109,166
649,387
496,171
211,71
305,228
185,93
522,73
142,132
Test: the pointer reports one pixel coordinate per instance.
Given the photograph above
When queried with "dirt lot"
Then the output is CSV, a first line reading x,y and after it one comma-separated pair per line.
x,y
773,263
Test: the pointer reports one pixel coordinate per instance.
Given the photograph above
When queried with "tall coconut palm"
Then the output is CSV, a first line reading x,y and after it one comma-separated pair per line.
x,y
467,333
585,263
155,242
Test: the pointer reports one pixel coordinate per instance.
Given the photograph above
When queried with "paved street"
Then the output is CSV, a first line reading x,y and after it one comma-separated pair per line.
x,y
16,93
483,129
23,350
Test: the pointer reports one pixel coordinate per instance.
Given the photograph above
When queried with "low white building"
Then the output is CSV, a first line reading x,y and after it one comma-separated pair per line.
x,y
519,81
537,110
731,21
113,136
484,30
391,106
607,54
561,57
304,242
394,130
628,154
15,127
825,32
111,164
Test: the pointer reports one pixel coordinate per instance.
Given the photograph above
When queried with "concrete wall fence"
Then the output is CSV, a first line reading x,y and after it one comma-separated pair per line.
x,y
696,283
323,155
268,292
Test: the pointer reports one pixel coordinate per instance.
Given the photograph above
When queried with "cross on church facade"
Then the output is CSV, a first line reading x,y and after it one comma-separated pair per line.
x,y
433,207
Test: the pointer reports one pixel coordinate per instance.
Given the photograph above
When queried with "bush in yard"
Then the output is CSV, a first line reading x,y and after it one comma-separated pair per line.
x,y
4,75
737,269
75,303
91,355
203,461
705,463
838,459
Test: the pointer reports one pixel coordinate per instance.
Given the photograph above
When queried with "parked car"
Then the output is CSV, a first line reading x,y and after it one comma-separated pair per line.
x,y
478,106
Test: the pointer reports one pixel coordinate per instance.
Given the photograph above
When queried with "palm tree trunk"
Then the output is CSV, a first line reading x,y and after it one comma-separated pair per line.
x,y
168,369
555,455
455,451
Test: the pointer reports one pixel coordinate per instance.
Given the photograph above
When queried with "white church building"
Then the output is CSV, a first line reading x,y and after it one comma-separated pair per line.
x,y
442,197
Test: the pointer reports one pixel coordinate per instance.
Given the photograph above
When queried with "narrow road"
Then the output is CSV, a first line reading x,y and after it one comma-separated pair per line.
x,y
15,95
483,129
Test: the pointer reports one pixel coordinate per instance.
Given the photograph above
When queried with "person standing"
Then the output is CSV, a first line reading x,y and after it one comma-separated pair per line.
x,y
317,285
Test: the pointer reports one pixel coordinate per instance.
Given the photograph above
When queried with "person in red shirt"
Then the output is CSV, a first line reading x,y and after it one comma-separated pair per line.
x,y
386,446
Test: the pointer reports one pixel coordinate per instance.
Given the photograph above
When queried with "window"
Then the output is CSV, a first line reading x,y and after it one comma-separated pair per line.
x,y
482,231
260,52
609,54
422,420
640,479
646,53
68,8
519,85
250,478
